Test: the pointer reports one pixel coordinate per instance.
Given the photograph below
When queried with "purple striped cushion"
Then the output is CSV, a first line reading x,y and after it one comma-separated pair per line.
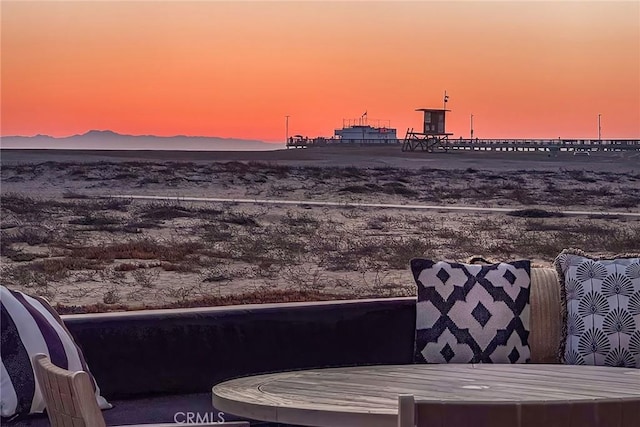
x,y
31,326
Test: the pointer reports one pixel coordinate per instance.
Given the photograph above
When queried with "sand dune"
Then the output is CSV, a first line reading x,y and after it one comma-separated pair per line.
x,y
62,239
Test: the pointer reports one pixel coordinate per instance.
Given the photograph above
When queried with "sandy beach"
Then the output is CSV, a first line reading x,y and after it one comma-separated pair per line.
x,y
65,236
370,156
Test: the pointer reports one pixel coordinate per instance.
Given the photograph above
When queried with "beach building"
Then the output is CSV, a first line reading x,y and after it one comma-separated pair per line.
x,y
365,134
353,132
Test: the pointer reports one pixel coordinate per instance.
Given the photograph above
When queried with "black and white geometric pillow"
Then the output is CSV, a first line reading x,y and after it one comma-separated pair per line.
x,y
602,300
469,313
31,326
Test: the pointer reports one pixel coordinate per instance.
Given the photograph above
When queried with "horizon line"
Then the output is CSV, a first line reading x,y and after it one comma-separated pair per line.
x,y
109,131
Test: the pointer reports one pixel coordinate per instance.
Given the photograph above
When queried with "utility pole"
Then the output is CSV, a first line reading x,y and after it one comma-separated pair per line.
x,y
599,128
287,130
472,126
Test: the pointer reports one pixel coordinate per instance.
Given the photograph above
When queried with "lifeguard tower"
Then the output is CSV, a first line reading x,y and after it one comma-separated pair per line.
x,y
433,132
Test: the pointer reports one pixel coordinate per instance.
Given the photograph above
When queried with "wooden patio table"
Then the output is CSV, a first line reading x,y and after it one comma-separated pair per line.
x,y
543,395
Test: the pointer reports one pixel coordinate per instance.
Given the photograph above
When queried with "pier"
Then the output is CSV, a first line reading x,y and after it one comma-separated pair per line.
x,y
576,146
434,137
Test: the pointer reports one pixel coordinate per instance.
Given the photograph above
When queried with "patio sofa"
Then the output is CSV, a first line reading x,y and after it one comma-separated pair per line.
x,y
160,365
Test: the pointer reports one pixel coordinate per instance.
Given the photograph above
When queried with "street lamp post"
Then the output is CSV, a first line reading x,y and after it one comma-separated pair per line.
x,y
599,128
472,126
286,141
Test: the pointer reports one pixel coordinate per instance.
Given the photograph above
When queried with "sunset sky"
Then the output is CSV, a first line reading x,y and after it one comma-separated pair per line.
x,y
538,69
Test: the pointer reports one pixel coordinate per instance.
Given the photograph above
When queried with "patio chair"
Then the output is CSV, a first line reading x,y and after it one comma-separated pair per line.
x,y
406,411
412,413
71,401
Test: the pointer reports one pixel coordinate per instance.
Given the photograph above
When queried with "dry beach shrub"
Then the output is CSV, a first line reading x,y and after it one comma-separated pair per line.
x,y
96,254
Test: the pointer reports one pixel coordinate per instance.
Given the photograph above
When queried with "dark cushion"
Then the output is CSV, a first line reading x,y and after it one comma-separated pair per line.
x,y
206,346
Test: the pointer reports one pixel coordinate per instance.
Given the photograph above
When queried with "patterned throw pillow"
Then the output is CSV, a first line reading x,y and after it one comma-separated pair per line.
x,y
31,326
601,300
472,313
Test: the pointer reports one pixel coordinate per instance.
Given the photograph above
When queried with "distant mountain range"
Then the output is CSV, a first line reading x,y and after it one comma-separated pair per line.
x,y
108,140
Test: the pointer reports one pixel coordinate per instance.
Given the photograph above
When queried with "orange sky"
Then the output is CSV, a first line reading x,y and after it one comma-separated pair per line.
x,y
234,69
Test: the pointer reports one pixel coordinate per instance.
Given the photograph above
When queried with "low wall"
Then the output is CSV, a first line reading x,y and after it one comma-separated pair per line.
x,y
189,350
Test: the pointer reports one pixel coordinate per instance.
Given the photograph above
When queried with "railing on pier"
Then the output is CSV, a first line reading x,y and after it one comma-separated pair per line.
x,y
547,145
541,144
462,144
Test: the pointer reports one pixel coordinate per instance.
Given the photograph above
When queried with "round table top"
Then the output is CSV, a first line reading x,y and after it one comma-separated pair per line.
x,y
368,395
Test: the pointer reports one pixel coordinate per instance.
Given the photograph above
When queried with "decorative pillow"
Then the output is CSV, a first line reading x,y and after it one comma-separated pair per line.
x,y
31,326
472,313
601,305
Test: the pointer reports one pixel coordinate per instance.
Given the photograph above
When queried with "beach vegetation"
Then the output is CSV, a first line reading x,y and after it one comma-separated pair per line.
x,y
114,253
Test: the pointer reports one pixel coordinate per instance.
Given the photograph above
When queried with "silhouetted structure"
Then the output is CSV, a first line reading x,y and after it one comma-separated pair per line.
x,y
434,137
433,132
